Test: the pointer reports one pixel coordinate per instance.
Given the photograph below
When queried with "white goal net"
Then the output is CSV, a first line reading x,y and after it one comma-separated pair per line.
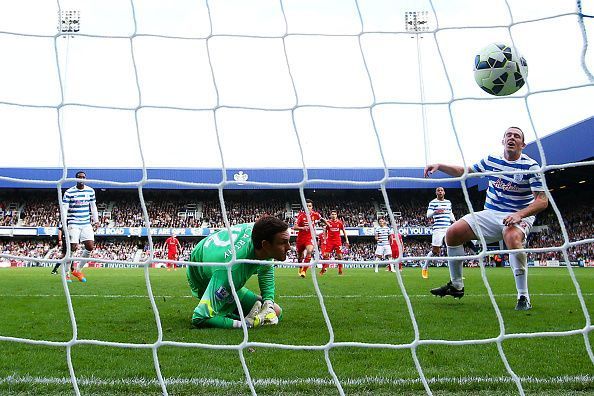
x,y
236,85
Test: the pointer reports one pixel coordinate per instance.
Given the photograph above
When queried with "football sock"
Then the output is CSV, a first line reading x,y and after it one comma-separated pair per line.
x,y
455,266
426,262
306,260
518,265
81,264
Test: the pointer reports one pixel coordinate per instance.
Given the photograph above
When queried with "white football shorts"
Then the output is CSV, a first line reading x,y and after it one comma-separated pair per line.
x,y
383,250
491,224
438,236
81,233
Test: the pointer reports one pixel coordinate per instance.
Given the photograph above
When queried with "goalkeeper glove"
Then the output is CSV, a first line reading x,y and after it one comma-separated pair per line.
x,y
267,314
252,319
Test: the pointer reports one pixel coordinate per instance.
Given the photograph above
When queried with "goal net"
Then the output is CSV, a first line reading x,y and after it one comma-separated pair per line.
x,y
303,85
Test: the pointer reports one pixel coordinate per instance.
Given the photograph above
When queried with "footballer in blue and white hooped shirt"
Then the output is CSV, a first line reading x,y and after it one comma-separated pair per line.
x,y
382,236
440,210
79,204
513,200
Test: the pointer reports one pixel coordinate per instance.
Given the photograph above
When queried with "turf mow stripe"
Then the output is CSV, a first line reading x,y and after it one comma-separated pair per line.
x,y
145,382
303,296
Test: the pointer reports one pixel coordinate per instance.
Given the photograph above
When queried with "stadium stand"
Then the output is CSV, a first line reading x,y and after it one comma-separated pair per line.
x,y
191,209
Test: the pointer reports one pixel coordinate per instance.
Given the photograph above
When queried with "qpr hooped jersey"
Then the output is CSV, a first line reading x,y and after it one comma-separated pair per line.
x,y
383,235
443,219
333,228
79,205
510,192
302,222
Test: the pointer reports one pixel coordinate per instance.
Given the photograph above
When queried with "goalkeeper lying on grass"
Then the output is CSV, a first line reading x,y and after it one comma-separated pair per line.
x,y
266,239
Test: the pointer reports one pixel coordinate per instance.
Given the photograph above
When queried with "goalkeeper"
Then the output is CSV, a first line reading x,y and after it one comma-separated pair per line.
x,y
266,239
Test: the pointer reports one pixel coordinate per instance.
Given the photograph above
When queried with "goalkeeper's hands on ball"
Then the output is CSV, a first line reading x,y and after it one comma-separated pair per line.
x,y
262,314
268,314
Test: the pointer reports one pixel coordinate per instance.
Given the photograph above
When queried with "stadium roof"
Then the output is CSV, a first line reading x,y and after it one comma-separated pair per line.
x,y
572,144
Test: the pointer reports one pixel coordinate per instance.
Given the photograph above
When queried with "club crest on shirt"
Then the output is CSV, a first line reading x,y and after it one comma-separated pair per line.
x,y
518,177
222,294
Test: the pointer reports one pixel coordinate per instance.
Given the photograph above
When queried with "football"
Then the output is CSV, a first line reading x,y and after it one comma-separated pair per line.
x,y
500,70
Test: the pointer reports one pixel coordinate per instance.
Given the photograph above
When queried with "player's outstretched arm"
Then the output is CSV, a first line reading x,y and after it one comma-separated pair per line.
x,y
452,170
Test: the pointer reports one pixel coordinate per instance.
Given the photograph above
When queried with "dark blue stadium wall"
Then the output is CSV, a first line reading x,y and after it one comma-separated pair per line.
x,y
572,144
363,178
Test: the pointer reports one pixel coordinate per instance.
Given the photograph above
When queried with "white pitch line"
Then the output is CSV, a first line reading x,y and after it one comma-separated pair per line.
x,y
304,296
153,382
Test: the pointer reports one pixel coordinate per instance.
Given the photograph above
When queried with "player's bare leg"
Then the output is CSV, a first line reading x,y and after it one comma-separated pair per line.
x,y
88,248
456,235
76,269
306,260
339,257
389,266
425,266
300,260
379,258
326,256
514,239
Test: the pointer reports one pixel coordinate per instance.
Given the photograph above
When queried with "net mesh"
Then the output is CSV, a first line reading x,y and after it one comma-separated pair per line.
x,y
301,186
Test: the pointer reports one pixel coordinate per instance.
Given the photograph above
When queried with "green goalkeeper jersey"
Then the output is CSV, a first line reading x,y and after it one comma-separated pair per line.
x,y
216,248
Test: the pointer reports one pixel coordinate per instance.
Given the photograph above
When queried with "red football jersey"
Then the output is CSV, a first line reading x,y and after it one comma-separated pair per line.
x,y
333,228
321,240
171,244
394,244
302,222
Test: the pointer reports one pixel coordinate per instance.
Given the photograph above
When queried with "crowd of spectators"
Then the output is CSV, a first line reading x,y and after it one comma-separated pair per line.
x,y
354,213
172,211
578,224
413,207
23,248
8,217
129,250
161,212
115,250
165,210
241,211
40,213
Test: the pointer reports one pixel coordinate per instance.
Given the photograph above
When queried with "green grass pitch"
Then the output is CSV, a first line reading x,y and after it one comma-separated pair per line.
x,y
363,307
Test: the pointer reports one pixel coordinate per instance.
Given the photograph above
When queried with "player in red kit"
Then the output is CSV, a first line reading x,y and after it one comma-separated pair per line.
x,y
322,241
396,236
173,248
333,241
304,242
